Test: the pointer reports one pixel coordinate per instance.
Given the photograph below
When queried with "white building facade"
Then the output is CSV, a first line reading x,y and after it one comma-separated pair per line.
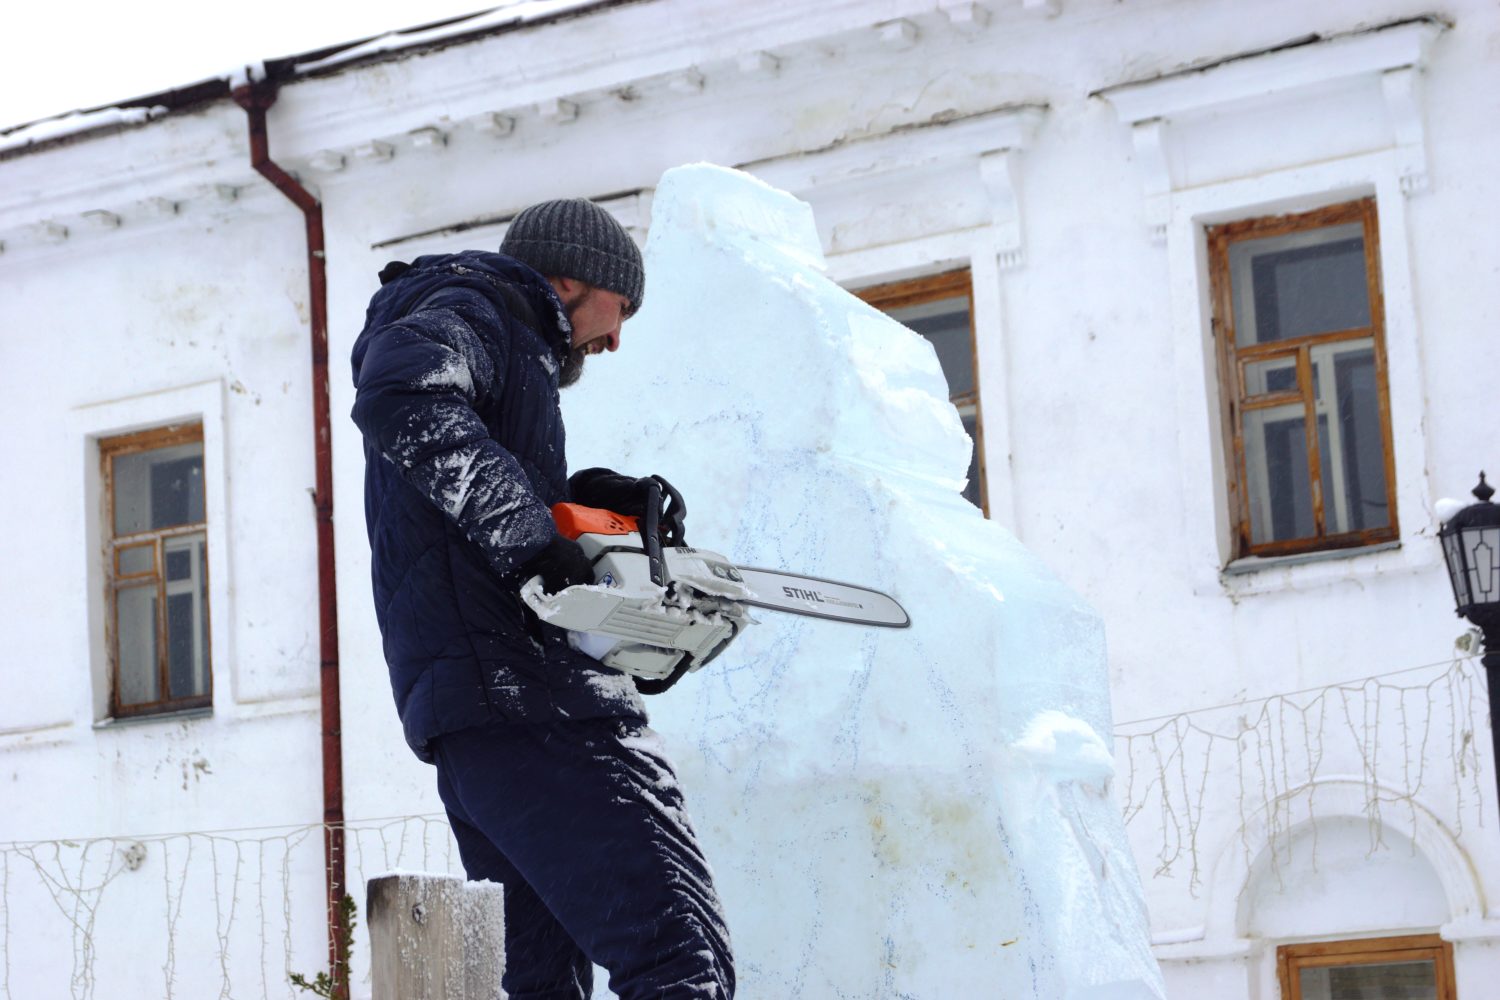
x,y
1210,288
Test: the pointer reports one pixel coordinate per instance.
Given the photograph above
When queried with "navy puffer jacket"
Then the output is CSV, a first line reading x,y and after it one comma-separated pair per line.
x,y
456,373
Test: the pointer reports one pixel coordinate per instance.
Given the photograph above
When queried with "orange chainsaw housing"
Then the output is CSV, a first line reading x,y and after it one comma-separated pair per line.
x,y
575,519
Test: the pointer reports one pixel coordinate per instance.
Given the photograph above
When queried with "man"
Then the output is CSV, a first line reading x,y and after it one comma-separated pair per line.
x,y
552,782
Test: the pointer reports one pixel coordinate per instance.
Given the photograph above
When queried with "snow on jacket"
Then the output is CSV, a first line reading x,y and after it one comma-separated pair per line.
x,y
456,377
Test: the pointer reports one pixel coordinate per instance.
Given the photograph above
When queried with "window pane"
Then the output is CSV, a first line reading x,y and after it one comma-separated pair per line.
x,y
1279,487
138,559
135,626
971,427
1349,437
1483,547
946,324
1385,981
1453,548
187,615
1302,283
179,563
158,489
1262,378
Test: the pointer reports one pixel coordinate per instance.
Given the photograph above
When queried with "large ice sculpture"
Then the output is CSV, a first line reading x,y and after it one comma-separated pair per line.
x,y
922,813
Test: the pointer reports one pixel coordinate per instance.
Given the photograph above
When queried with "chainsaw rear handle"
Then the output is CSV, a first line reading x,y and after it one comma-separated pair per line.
x,y
673,509
649,687
665,513
651,536
663,503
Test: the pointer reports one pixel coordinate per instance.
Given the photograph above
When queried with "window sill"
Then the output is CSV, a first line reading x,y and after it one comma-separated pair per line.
x,y
1258,564
1315,570
141,720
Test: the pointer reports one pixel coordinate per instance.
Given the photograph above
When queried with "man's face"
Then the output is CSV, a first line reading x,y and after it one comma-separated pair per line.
x,y
596,315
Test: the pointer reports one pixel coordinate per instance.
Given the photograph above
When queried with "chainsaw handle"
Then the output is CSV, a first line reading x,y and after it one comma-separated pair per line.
x,y
671,507
651,535
648,687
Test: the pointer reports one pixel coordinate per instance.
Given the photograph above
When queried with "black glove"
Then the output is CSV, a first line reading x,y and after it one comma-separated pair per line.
x,y
561,564
609,490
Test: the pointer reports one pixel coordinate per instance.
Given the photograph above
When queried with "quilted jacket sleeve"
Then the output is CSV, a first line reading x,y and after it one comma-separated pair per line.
x,y
416,392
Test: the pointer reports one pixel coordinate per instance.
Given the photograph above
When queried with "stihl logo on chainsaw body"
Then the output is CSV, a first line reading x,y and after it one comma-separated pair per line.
x,y
798,594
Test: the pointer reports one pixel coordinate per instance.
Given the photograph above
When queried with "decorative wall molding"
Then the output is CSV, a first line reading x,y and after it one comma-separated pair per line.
x,y
1379,65
632,209
989,144
1149,139
1345,796
964,14
556,110
905,148
998,171
327,127
427,137
51,232
114,216
583,64
1402,88
689,81
492,124
101,219
375,152
758,62
327,161
899,35
1283,70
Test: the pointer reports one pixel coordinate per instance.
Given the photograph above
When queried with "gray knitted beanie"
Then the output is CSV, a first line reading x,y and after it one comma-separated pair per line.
x,y
574,238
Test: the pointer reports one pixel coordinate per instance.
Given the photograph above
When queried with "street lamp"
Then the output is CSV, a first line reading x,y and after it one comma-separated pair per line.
x,y
1471,544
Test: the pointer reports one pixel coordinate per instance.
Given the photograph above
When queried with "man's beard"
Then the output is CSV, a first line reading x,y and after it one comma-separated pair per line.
x,y
572,362
572,367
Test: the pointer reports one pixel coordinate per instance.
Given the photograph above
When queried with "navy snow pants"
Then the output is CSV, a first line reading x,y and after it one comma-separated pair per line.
x,y
584,825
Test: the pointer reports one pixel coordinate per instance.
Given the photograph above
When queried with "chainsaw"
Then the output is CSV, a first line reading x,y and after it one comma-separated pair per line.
x,y
659,609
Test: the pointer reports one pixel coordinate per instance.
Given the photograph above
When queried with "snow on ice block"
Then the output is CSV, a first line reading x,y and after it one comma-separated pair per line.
x,y
923,812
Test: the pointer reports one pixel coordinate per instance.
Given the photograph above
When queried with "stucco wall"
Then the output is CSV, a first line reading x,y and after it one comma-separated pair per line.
x,y
1096,372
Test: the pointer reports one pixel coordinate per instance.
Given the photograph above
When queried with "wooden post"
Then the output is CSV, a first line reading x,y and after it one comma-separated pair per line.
x,y
435,937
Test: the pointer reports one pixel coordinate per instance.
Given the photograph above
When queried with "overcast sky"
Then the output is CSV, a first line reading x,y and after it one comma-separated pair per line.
x,y
59,55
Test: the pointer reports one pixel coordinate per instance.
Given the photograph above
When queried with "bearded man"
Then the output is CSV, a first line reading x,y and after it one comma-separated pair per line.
x,y
553,783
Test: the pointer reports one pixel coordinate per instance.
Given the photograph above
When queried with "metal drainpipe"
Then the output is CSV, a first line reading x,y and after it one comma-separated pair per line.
x,y
255,99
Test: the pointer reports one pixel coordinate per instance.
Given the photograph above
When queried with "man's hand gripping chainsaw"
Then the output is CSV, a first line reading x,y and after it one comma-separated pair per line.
x,y
658,609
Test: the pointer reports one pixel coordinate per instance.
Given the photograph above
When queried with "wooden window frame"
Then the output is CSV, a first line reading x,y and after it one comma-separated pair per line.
x,y
1292,958
933,288
1232,387
111,448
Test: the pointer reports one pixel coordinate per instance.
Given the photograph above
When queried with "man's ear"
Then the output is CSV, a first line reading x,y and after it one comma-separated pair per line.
x,y
566,288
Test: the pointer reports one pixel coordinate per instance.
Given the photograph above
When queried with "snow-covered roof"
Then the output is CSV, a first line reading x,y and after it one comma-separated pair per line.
x,y
503,18
507,16
75,122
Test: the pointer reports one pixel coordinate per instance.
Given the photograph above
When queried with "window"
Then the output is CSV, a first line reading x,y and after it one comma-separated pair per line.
x,y
1396,968
1299,319
941,308
156,562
